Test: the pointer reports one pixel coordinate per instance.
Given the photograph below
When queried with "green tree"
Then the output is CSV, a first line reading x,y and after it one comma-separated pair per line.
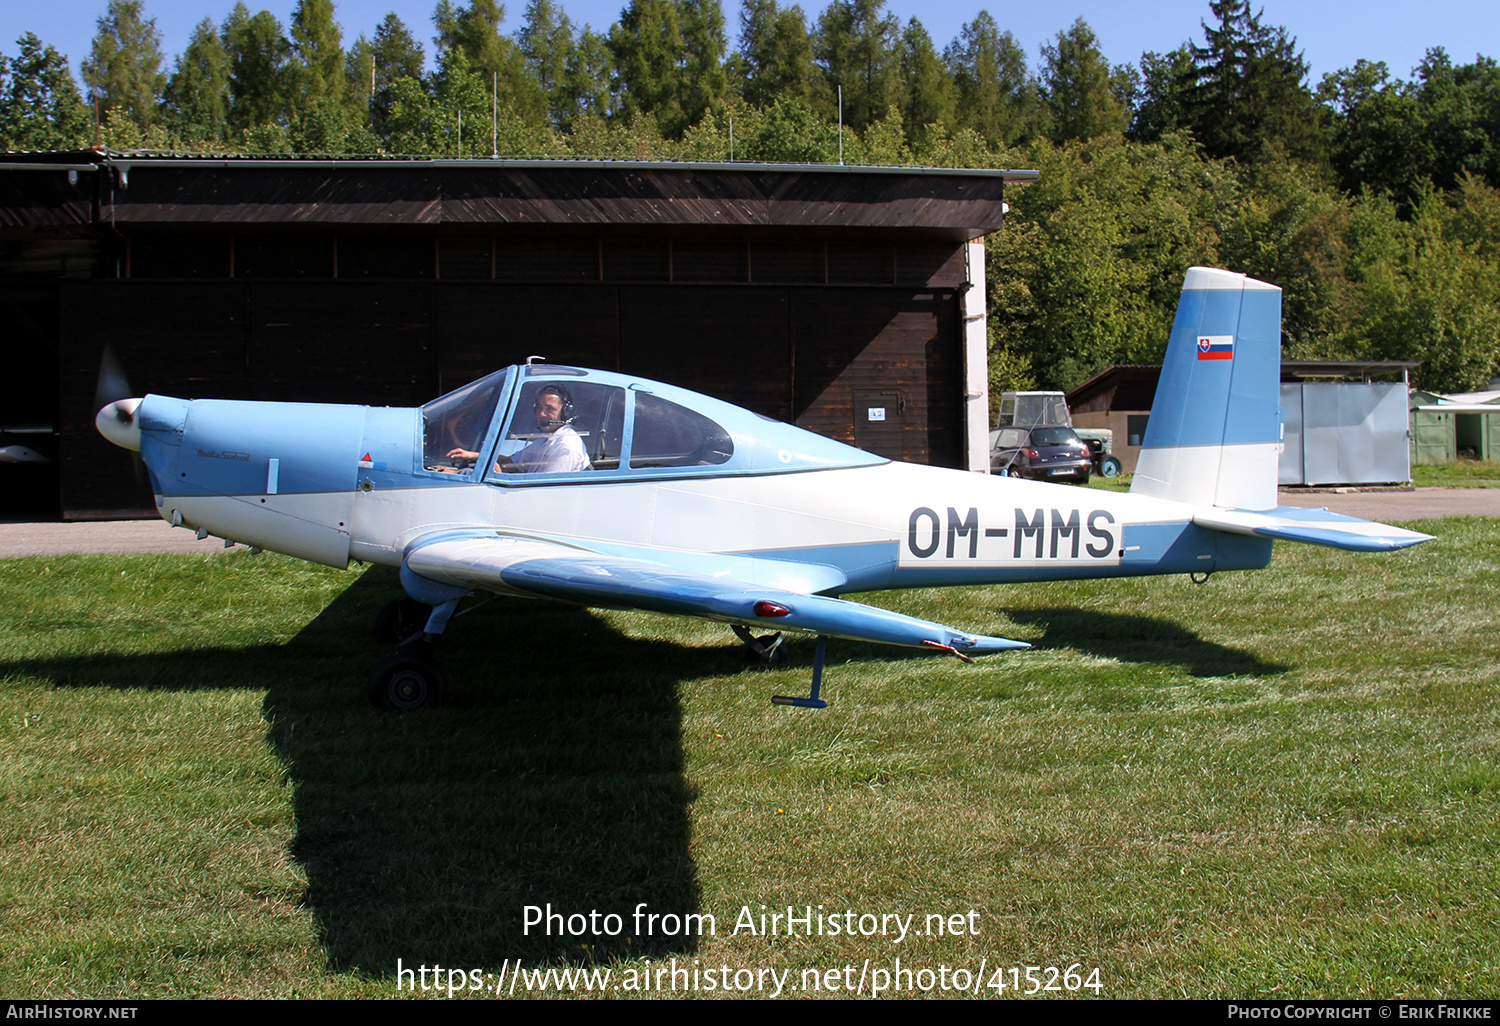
x,y
775,56
317,56
704,82
928,92
546,40
259,53
1400,138
458,116
588,90
1077,87
196,102
856,48
40,108
393,54
1165,102
669,61
1291,227
1460,112
1425,291
493,58
792,132
1249,92
997,98
1088,269
123,71
647,46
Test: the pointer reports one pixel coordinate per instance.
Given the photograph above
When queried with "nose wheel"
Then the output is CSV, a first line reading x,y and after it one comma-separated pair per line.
x,y
406,680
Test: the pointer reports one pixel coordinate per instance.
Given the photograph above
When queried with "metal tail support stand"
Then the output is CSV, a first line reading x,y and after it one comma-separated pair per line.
x,y
812,701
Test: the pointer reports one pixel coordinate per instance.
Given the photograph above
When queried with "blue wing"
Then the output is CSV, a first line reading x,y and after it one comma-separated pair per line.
x,y
743,590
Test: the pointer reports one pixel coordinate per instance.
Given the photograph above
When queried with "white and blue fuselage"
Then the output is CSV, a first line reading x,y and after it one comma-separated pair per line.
x,y
691,505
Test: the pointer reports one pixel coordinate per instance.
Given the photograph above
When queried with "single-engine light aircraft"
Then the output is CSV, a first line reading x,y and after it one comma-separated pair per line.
x,y
605,489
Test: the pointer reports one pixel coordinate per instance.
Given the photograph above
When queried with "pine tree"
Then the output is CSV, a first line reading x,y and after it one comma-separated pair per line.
x,y
317,64
997,98
394,54
704,83
1077,86
546,41
123,70
588,91
927,88
1248,96
855,46
259,53
196,101
775,58
493,58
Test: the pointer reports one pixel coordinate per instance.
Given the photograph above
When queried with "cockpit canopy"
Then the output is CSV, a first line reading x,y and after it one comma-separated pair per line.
x,y
537,423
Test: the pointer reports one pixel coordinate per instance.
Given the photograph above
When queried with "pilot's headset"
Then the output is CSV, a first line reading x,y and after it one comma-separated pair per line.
x,y
568,412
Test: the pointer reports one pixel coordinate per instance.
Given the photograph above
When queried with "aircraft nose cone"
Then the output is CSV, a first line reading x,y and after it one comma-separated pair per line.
x,y
117,422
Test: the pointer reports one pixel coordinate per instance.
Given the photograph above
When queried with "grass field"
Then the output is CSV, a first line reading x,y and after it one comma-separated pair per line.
x,y
1276,784
1461,474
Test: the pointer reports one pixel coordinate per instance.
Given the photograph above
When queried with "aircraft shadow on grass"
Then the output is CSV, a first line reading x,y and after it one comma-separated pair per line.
x,y
1139,639
553,776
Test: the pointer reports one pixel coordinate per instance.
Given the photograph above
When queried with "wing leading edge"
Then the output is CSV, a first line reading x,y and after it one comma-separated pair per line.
x,y
494,562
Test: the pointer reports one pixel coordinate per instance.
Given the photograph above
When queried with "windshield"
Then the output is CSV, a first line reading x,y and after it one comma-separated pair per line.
x,y
454,425
1054,436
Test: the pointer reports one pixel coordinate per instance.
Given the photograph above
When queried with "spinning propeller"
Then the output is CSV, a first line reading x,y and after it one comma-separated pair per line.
x,y
116,404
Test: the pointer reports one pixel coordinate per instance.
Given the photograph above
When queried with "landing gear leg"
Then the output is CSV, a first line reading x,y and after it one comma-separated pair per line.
x,y
399,619
409,678
769,647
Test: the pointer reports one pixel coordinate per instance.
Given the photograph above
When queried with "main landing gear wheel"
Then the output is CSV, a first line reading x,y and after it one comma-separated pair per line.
x,y
399,619
406,680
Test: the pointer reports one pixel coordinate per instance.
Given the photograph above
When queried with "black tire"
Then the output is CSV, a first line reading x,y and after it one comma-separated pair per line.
x,y
399,619
405,681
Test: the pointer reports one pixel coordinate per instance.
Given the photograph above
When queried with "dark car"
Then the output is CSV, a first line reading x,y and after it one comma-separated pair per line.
x,y
1043,453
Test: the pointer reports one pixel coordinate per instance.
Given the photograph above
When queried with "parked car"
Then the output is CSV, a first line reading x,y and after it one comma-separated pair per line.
x,y
1043,453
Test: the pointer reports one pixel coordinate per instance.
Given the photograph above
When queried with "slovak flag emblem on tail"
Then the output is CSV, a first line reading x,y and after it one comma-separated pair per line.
x,y
1216,347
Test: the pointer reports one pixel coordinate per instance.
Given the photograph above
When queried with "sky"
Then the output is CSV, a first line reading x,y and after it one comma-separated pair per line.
x,y
1332,34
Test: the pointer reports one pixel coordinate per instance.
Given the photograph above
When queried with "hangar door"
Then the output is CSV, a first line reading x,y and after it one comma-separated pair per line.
x,y
1344,433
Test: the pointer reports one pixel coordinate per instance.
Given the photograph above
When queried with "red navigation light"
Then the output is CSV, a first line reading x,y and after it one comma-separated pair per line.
x,y
769,609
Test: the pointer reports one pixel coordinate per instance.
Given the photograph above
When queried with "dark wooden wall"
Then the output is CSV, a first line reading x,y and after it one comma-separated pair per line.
x,y
796,329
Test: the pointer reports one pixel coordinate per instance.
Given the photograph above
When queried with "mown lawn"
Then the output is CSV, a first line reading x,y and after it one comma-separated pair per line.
x,y
1283,783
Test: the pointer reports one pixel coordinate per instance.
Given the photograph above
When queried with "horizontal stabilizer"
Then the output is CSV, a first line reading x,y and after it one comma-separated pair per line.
x,y
1313,526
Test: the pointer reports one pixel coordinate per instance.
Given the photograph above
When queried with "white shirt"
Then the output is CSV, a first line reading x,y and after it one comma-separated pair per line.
x,y
560,452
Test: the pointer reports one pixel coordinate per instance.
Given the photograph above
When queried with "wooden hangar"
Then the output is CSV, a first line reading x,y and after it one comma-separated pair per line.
x,y
848,300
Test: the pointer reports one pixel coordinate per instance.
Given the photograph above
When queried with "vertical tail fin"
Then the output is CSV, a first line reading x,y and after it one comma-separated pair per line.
x,y
1214,437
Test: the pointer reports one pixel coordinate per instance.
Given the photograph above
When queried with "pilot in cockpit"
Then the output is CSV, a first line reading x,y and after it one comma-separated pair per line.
x,y
558,451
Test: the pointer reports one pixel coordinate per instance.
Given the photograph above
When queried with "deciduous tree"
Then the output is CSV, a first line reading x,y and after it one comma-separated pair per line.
x,y
40,108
